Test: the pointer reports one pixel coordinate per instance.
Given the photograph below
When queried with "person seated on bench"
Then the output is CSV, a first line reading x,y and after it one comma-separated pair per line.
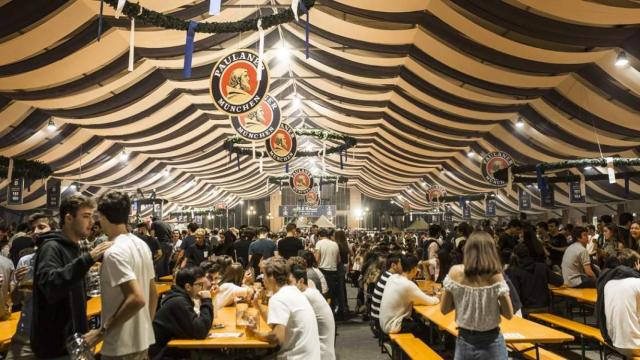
x,y
393,266
531,280
177,319
322,310
479,294
576,263
618,303
399,296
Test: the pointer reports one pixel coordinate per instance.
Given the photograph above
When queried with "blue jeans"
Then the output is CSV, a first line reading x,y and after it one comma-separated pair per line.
x,y
474,345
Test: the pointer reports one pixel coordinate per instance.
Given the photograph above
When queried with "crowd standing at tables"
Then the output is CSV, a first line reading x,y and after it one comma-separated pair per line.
x,y
297,281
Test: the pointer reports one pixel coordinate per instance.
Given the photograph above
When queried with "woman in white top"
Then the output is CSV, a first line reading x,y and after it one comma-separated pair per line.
x,y
479,294
232,286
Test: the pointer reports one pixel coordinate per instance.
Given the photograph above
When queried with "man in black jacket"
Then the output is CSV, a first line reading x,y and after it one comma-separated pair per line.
x,y
177,319
59,306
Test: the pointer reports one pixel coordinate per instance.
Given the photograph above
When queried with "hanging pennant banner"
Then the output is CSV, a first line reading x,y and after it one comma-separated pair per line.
x,y
282,145
448,217
490,207
14,196
429,219
259,123
466,211
575,192
312,198
234,84
493,162
524,200
53,193
611,171
301,181
547,197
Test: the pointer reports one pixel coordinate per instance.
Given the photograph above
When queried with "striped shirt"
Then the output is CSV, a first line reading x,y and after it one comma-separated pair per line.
x,y
376,298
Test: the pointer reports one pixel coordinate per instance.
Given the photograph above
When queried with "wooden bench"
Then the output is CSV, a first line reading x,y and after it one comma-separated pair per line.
x,y
529,352
413,348
584,331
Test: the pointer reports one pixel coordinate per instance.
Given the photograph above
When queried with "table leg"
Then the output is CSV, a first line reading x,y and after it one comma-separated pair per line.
x,y
537,352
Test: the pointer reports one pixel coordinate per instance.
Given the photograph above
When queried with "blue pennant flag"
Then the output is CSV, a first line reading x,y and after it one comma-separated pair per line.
x,y
188,51
306,29
214,7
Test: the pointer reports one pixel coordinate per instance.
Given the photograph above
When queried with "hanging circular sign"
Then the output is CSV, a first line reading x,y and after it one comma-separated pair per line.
x,y
234,83
259,123
436,194
301,181
282,145
493,162
312,198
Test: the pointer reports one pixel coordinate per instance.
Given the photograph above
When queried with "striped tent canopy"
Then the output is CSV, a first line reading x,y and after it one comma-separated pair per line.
x,y
419,83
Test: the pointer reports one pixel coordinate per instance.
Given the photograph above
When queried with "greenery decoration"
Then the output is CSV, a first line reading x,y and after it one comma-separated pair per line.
x,y
23,168
567,164
325,179
161,20
469,197
348,142
197,213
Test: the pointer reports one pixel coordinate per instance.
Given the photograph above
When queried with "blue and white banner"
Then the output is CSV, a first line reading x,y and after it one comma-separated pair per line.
x,y
490,208
308,211
524,200
14,196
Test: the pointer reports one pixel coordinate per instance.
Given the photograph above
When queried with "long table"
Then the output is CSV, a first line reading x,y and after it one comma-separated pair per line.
x,y
588,296
227,317
515,330
94,308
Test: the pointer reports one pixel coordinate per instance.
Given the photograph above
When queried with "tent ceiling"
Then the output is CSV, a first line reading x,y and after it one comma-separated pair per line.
x,y
419,83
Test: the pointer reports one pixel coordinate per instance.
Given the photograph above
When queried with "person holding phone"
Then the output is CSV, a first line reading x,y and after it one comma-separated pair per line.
x,y
177,319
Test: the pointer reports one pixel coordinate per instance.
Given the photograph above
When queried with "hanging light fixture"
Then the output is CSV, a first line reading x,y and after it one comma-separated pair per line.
x,y
520,122
621,59
124,156
51,126
296,102
470,153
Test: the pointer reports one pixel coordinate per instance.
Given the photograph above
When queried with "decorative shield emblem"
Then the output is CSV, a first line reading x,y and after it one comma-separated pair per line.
x,y
301,181
259,123
282,145
312,198
234,84
436,194
493,162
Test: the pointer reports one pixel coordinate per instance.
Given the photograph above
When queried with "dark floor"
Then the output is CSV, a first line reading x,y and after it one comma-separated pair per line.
x,y
356,342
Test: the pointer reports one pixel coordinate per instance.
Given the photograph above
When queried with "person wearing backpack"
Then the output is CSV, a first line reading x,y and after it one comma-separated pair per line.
x,y
430,249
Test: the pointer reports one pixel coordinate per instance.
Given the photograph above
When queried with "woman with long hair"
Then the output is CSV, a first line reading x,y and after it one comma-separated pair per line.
x,y
340,237
536,250
478,292
634,235
612,242
232,285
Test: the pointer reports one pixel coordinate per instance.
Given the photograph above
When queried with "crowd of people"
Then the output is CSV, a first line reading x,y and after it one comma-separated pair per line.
x,y
50,267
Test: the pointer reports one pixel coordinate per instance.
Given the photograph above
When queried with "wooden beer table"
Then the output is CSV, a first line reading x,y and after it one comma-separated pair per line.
x,y
227,317
168,278
588,296
516,330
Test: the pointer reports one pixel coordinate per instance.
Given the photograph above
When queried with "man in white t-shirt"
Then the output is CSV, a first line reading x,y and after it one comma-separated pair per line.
x,y
622,303
128,292
290,315
399,296
328,257
324,315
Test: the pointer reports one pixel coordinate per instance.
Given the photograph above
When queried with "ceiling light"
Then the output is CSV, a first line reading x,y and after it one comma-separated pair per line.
x,y
621,59
284,53
166,172
470,153
588,167
241,202
520,123
51,126
124,156
296,102
410,191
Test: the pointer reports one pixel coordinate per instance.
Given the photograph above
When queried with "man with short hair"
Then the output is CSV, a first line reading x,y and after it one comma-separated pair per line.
x,y
313,236
557,244
328,257
290,316
617,308
430,249
399,297
152,242
576,263
128,291
510,239
624,224
59,305
542,231
264,247
176,317
322,310
197,252
290,245
393,266
162,231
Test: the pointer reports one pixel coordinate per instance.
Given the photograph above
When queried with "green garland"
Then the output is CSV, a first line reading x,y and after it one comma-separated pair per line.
x,y
196,213
325,179
567,164
469,197
157,19
23,168
349,142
